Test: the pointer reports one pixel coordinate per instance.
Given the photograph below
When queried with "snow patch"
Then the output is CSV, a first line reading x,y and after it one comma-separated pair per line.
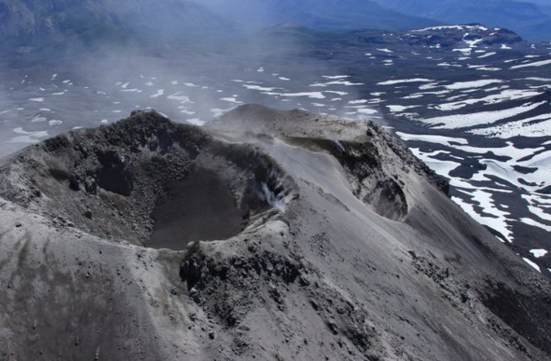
x,y
159,93
311,95
481,118
183,99
196,121
487,55
535,64
532,264
538,253
400,81
437,139
28,137
400,108
472,84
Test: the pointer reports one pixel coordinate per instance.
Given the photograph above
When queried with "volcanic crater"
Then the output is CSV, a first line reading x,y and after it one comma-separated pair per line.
x,y
150,182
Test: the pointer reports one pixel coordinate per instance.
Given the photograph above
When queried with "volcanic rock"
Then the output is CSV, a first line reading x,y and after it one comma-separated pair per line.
x,y
320,238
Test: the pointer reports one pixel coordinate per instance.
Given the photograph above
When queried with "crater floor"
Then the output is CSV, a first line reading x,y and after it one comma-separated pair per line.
x,y
200,207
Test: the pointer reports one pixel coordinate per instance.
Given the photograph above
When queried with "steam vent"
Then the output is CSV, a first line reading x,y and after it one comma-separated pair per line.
x,y
266,235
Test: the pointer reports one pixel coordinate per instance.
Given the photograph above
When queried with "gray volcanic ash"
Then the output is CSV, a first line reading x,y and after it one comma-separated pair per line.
x,y
322,238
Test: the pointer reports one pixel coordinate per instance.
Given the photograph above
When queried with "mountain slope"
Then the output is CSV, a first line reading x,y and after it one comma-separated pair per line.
x,y
329,14
74,26
349,249
529,20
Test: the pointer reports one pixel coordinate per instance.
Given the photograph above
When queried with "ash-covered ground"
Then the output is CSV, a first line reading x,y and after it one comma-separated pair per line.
x,y
328,240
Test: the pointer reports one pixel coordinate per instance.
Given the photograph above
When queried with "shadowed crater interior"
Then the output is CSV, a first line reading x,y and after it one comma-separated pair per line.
x,y
200,207
150,182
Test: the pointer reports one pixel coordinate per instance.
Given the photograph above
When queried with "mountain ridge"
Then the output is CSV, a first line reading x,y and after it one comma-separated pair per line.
x,y
280,288
331,15
528,19
70,26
